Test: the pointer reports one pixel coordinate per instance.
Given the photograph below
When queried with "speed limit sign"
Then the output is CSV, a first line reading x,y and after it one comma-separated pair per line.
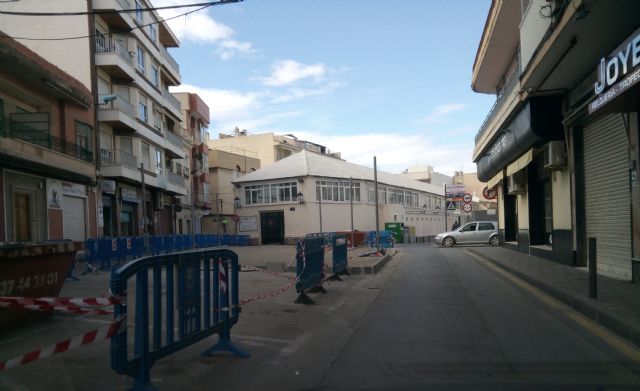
x,y
467,208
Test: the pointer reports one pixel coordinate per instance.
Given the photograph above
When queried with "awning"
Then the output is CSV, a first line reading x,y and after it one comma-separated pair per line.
x,y
494,180
520,163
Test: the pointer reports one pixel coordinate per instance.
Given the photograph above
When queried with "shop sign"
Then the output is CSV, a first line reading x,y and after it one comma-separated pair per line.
x,y
617,72
130,195
248,223
107,186
73,189
54,194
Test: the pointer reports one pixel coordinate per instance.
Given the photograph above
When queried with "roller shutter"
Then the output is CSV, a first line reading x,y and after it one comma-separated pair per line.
x,y
607,194
73,217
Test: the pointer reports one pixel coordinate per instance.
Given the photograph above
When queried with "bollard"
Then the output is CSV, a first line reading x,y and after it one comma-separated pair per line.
x,y
593,269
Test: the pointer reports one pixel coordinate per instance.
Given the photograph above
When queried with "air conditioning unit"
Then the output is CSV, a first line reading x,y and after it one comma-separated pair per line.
x,y
515,183
158,200
554,155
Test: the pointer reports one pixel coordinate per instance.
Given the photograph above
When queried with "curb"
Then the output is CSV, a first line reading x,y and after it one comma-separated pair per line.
x,y
586,307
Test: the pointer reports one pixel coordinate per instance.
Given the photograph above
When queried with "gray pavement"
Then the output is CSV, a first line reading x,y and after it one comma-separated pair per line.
x,y
432,318
617,307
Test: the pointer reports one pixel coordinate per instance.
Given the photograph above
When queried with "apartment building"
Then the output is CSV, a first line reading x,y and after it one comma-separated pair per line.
x,y
122,58
47,152
195,167
269,147
561,142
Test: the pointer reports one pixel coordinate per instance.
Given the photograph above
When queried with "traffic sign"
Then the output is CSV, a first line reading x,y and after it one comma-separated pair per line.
x,y
235,218
490,193
451,205
467,198
467,208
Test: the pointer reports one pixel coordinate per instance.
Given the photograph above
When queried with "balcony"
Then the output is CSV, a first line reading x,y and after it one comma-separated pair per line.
x,y
34,128
202,199
118,113
505,103
170,64
172,103
114,58
176,179
174,140
120,20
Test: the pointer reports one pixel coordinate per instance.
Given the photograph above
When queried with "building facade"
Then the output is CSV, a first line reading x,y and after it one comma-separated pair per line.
x,y
309,192
268,147
560,143
47,150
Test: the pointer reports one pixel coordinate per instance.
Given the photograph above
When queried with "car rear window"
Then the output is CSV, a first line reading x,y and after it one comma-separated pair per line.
x,y
486,227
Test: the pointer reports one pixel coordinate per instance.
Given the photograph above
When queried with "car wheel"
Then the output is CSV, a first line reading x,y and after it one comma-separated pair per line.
x,y
448,241
494,241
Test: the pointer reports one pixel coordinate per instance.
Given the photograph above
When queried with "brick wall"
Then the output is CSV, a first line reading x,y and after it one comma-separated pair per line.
x,y
55,224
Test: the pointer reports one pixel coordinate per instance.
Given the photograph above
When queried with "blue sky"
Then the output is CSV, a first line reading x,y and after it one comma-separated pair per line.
x,y
365,78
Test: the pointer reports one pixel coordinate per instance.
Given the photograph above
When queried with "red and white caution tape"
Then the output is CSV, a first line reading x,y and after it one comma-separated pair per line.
x,y
66,345
58,308
63,301
266,295
281,275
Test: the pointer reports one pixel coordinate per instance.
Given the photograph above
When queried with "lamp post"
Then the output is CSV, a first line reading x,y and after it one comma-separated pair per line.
x,y
236,206
300,198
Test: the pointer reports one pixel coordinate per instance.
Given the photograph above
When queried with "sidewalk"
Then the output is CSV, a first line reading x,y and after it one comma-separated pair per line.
x,y
618,304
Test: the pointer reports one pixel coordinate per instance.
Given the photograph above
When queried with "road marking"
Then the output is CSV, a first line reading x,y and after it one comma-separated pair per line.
x,y
296,344
613,340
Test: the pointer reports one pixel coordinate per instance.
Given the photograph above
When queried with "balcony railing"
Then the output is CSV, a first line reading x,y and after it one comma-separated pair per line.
x,y
172,100
170,59
173,138
34,128
124,4
110,45
176,179
117,157
119,104
502,97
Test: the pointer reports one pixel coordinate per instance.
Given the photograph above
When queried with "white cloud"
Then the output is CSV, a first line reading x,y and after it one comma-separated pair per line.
x,y
287,72
232,48
441,113
300,93
395,152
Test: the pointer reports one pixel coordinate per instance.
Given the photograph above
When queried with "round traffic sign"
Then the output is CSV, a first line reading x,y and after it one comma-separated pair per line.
x,y
490,193
467,208
235,218
466,198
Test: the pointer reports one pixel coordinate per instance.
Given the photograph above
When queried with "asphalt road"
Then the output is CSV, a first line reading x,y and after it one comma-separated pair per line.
x,y
445,320
433,319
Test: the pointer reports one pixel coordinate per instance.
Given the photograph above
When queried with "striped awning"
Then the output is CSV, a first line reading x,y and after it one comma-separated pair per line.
x,y
495,180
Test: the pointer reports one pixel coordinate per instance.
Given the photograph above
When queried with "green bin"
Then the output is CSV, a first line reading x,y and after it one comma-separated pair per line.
x,y
396,230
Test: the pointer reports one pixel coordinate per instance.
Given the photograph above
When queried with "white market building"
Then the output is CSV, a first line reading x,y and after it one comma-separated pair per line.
x,y
309,192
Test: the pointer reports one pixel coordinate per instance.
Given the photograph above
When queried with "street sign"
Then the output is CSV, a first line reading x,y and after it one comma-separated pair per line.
x,y
466,198
235,218
490,194
467,208
451,205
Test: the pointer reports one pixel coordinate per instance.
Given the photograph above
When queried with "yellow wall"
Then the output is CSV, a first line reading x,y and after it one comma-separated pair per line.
x,y
522,202
561,198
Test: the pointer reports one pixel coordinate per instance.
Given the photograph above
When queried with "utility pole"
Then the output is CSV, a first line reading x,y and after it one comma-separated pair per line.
x,y
351,202
446,225
375,179
320,208
144,209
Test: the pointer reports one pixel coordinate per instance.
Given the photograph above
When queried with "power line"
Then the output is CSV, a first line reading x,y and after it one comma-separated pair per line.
x,y
209,4
124,11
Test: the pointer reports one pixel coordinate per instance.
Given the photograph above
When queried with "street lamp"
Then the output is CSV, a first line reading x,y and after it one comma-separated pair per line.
x,y
424,208
300,198
236,203
437,209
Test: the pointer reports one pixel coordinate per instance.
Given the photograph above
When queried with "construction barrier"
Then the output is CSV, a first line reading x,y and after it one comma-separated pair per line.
x,y
207,304
386,239
326,236
339,256
309,268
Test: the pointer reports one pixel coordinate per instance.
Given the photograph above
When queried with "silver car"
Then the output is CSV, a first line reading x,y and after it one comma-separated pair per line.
x,y
473,232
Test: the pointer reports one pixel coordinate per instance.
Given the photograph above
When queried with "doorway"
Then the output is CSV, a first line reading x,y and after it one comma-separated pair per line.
x,y
272,227
22,217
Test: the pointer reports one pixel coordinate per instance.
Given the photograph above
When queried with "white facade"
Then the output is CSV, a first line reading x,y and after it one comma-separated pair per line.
x,y
324,183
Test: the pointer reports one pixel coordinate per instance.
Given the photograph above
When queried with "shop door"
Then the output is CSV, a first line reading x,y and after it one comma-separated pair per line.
x,y
607,194
272,227
73,218
22,217
510,218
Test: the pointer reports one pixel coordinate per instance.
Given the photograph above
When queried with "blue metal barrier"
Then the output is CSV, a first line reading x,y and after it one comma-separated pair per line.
x,y
208,303
339,256
326,236
309,268
386,239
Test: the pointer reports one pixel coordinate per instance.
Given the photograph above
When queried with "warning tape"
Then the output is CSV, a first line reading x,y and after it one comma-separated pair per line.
x,y
269,272
58,308
62,301
68,344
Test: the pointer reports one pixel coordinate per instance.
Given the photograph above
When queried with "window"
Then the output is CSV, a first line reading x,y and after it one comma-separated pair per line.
x,y
336,191
486,227
153,32
469,227
83,140
140,59
155,75
158,162
271,194
142,108
157,119
139,11
146,158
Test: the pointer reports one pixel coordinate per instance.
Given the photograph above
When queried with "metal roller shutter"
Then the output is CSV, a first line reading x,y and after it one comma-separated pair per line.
x,y
73,217
607,194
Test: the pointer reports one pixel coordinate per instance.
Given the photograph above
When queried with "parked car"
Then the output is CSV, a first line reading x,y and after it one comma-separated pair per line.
x,y
473,232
